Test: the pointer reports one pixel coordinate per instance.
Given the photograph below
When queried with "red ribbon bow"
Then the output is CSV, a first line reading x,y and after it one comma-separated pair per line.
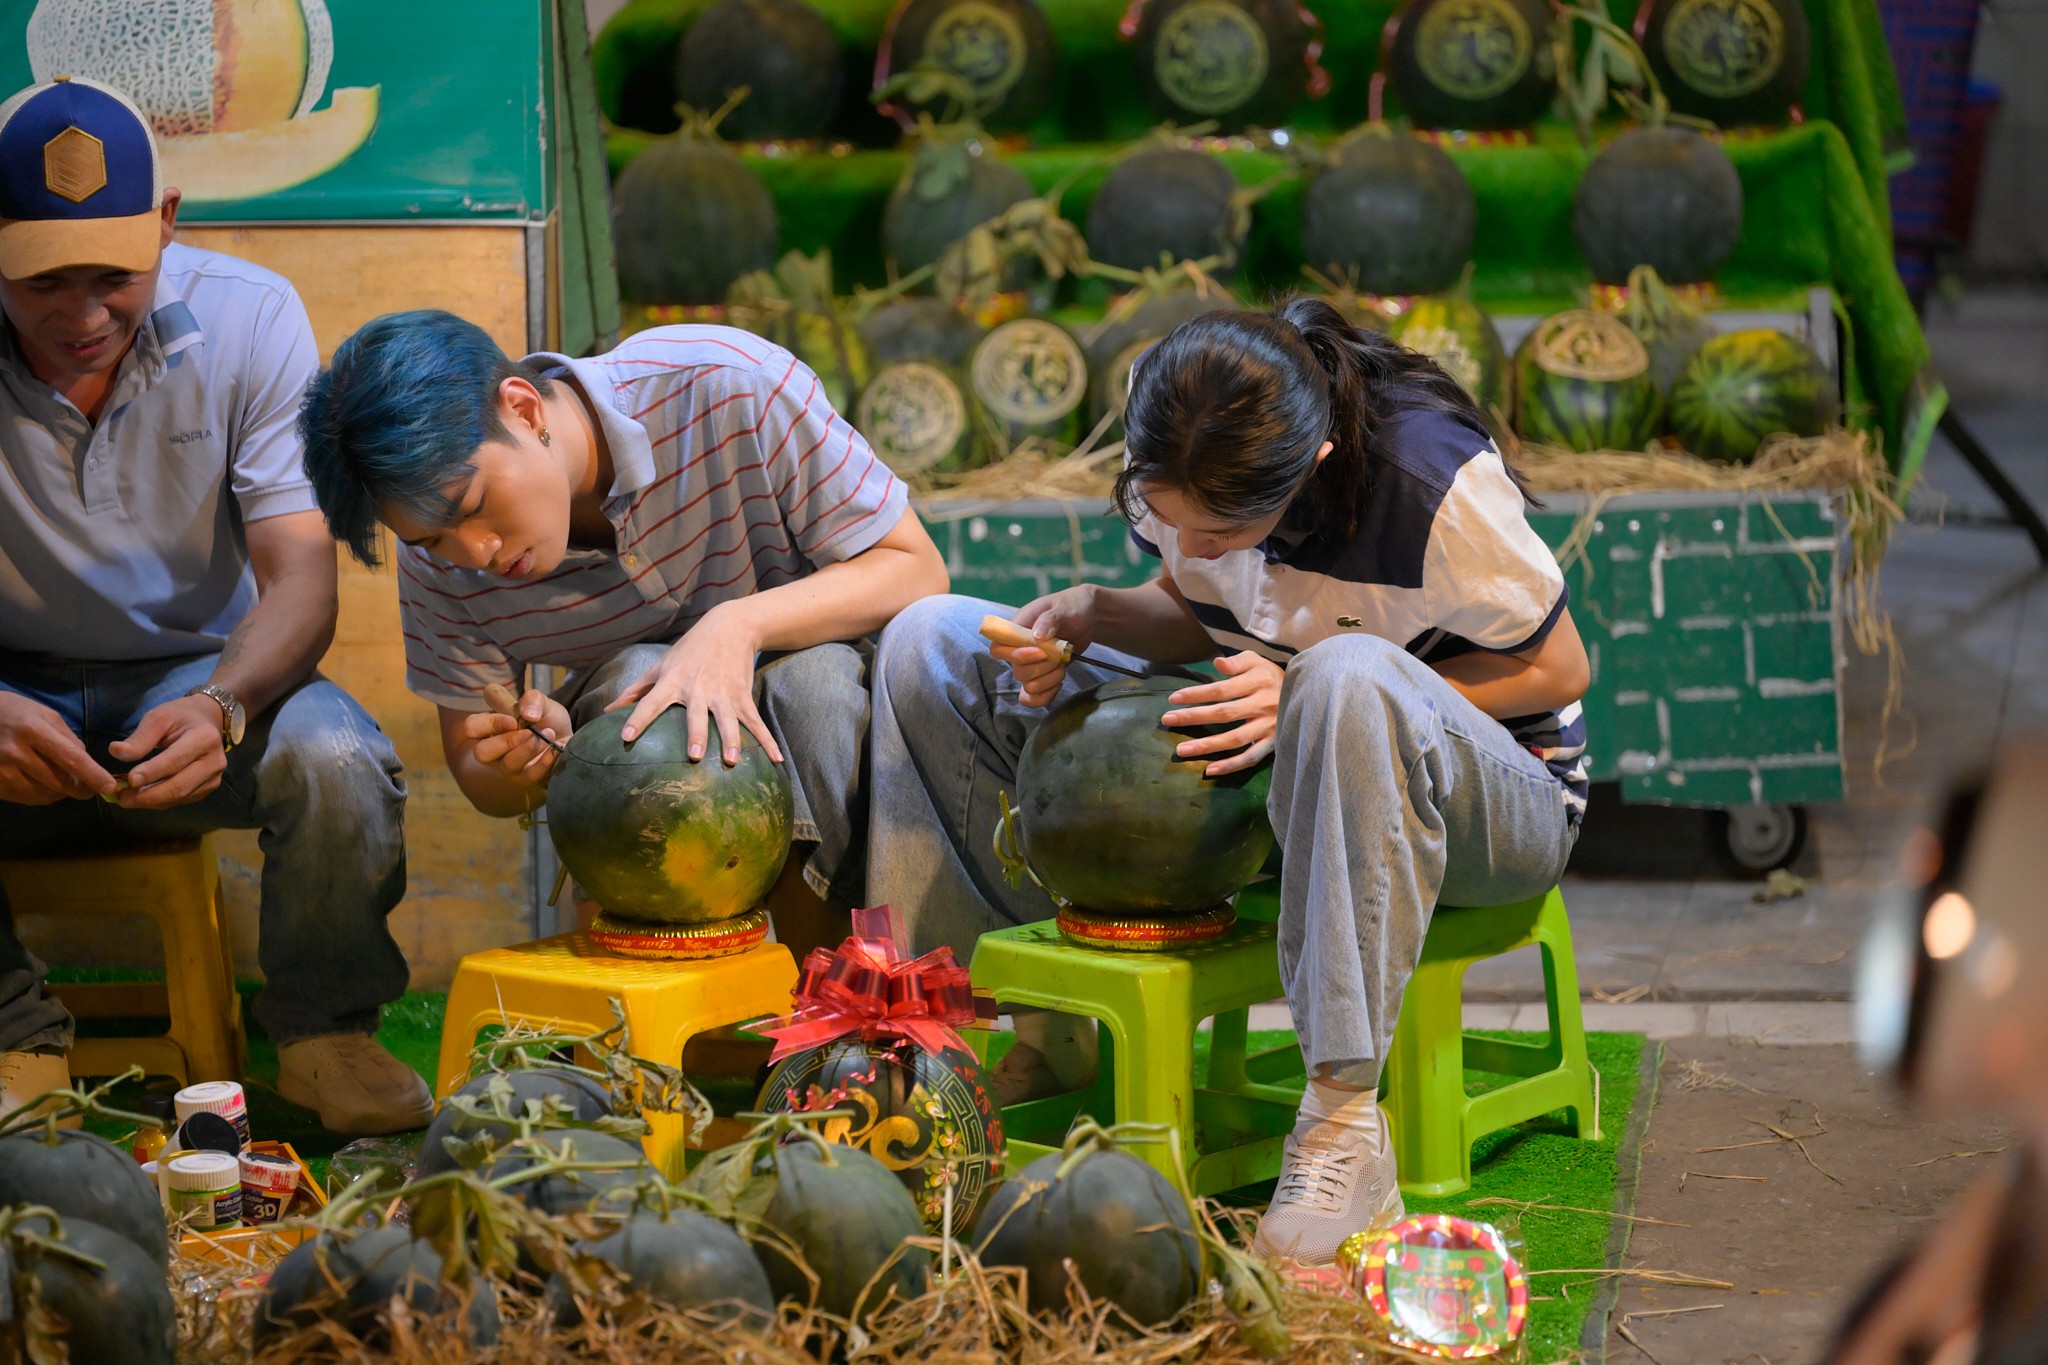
x,y
866,986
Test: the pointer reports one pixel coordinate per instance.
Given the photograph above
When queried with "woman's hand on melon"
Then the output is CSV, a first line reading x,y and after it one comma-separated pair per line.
x,y
1246,697
41,761
1066,615
511,747
710,671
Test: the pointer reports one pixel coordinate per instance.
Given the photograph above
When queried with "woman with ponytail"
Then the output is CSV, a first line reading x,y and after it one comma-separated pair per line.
x,y
1339,535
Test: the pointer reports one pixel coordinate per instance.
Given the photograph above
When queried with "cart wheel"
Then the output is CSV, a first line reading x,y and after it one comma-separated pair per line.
x,y
1763,837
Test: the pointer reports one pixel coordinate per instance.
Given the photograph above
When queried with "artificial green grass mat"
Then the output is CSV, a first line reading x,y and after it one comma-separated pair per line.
x,y
1538,1163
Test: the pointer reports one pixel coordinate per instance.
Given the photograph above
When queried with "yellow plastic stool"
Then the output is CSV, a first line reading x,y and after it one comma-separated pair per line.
x,y
178,886
565,984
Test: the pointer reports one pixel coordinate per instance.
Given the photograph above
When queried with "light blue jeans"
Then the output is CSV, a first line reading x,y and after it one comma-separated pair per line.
x,y
1390,791
313,774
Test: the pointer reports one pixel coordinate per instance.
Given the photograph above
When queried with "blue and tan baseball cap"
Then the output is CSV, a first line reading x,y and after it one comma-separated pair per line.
x,y
79,181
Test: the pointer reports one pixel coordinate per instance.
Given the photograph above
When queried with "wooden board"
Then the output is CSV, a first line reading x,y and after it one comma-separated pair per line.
x,y
466,873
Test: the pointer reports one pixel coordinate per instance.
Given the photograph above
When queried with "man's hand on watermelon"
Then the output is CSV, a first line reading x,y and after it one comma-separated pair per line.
x,y
41,761
1246,697
711,672
511,747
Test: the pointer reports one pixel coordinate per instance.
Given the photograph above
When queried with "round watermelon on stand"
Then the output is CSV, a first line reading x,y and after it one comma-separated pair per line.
x,y
1740,387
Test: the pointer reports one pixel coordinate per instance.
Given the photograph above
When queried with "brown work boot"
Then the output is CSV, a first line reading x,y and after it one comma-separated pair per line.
x,y
27,1076
354,1085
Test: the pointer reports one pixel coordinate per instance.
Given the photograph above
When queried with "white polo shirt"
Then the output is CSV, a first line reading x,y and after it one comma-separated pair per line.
x,y
125,540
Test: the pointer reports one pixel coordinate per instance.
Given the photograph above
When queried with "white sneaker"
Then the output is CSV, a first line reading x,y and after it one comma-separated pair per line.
x,y
1334,1180
28,1076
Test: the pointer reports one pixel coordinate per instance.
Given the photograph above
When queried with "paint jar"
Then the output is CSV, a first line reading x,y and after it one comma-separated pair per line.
x,y
205,1189
268,1183
215,1097
150,1139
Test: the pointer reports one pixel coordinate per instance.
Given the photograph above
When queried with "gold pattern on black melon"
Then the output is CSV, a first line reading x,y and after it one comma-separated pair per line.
x,y
1476,64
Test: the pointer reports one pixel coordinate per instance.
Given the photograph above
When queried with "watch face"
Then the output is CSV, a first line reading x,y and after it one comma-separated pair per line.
x,y
238,720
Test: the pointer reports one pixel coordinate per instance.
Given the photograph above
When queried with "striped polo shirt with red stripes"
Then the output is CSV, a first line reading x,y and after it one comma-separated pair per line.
x,y
731,473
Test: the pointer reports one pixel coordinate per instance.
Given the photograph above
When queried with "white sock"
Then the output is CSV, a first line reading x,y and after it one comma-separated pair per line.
x,y
1066,1041
1345,1107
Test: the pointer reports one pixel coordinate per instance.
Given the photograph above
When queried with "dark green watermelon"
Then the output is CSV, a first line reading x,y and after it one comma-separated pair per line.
x,y
1241,63
1670,329
118,1312
927,1116
920,329
1730,62
1457,334
586,1100
1111,821
920,418
1476,64
618,1167
633,62
1102,1218
782,51
1743,386
847,1216
353,1281
679,1259
689,219
85,1177
952,185
1031,377
1115,346
1582,381
1390,214
1163,205
1003,49
1664,197
651,836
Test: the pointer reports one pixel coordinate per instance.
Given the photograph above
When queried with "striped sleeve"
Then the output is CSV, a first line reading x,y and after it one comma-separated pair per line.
x,y
836,496
1487,575
448,659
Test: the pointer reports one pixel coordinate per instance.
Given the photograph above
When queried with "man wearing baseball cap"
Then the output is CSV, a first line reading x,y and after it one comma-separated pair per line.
x,y
167,586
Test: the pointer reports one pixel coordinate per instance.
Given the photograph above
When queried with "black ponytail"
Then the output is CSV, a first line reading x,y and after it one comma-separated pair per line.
x,y
1230,409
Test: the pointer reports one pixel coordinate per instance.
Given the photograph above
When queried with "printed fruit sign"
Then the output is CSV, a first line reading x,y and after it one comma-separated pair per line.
x,y
278,110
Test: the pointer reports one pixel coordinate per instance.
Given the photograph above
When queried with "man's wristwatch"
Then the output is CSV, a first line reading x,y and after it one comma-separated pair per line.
x,y
232,718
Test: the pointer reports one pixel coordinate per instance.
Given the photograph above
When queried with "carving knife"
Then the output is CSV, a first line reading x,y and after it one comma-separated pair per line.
x,y
1003,631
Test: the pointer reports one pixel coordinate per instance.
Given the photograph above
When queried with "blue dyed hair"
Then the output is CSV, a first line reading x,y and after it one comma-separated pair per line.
x,y
398,415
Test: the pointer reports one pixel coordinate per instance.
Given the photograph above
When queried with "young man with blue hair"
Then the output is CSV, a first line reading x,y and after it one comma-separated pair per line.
x,y
166,589
683,521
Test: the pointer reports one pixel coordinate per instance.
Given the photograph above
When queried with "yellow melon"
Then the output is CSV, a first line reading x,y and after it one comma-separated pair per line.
x,y
192,66
253,162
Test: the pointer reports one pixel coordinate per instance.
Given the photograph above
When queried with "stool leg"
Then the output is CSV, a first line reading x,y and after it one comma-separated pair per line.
x,y
1427,1099
1226,1050
199,985
1154,1033
1567,1016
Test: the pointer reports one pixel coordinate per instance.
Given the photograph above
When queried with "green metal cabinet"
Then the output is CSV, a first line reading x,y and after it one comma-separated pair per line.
x,y
1709,618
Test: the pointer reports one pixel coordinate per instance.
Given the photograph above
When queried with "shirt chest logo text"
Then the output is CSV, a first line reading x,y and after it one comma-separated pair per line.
x,y
185,438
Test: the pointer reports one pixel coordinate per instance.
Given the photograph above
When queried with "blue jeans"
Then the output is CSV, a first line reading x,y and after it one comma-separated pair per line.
x,y
1390,791
313,774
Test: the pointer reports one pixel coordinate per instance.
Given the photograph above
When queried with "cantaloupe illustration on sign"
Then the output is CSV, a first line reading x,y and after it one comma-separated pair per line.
x,y
229,85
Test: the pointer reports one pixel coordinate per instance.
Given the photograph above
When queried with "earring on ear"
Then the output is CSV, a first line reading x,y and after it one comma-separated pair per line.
x,y
546,439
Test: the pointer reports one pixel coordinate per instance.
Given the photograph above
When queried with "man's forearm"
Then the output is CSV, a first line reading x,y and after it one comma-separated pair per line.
x,y
1151,621
842,601
279,642
491,791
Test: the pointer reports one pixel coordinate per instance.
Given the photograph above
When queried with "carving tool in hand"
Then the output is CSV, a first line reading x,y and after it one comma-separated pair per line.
x,y
1005,632
500,698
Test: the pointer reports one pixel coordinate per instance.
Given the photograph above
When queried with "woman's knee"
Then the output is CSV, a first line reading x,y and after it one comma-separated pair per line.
x,y
1344,669
928,631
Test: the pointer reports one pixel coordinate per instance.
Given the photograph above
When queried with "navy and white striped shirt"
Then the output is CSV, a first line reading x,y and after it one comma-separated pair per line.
x,y
1444,562
731,473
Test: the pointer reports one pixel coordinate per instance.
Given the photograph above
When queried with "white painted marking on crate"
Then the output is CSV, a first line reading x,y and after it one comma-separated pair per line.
x,y
1705,622
1631,698
1696,694
1621,554
1774,688
1621,628
1748,654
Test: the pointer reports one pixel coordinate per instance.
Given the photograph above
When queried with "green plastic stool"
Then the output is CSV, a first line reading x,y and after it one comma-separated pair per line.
x,y
1435,1122
1231,1124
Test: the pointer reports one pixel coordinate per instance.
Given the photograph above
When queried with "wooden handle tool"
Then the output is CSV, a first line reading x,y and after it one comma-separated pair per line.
x,y
1002,631
505,702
